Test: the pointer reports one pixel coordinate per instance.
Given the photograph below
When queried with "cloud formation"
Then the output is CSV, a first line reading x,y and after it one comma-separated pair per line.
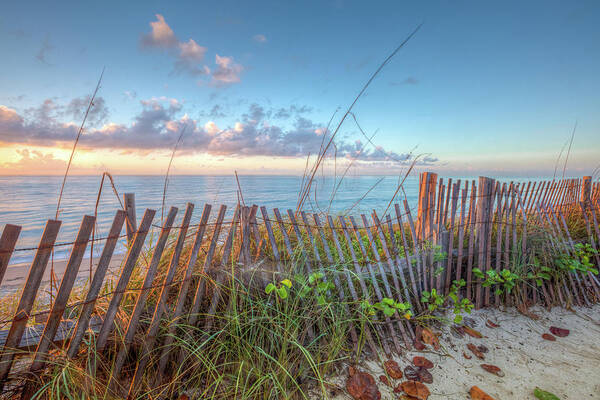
x,y
42,54
260,38
189,55
159,123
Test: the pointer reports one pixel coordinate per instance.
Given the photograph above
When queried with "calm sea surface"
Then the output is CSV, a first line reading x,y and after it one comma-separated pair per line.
x,y
31,200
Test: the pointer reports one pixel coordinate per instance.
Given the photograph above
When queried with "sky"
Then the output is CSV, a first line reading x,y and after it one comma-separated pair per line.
x,y
493,88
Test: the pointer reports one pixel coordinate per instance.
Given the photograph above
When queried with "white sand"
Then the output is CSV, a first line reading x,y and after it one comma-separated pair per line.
x,y
568,367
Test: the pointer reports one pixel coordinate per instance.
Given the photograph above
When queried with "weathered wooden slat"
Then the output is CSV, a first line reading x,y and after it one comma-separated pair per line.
x,y
129,206
338,284
300,241
130,261
221,274
60,303
32,284
194,313
96,284
8,240
461,231
450,249
384,279
199,297
500,208
471,224
350,283
183,289
409,264
395,257
361,281
140,303
150,340
62,296
393,266
271,235
284,234
416,254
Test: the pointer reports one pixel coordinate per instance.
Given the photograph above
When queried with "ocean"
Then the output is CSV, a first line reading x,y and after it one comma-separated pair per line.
x,y
29,201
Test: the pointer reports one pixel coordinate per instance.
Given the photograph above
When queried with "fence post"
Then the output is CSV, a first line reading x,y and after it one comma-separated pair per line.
x,y
131,224
586,189
427,183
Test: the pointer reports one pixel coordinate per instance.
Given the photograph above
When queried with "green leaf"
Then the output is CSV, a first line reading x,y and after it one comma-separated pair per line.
x,y
543,395
458,319
283,294
270,287
389,311
321,300
287,283
388,301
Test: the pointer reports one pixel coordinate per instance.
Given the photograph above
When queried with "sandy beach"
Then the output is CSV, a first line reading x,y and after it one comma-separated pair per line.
x,y
567,367
16,274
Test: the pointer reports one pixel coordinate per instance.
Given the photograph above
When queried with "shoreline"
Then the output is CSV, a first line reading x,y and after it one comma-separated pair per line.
x,y
16,274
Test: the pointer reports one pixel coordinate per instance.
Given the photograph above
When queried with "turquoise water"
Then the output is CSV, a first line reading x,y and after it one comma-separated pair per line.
x,y
31,200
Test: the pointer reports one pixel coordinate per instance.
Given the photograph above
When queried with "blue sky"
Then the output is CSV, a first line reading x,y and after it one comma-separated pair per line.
x,y
486,87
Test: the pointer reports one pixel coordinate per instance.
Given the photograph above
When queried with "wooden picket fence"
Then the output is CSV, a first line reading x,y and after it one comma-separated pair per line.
x,y
459,226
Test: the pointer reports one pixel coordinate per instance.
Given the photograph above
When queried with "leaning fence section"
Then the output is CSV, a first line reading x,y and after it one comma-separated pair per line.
x,y
466,237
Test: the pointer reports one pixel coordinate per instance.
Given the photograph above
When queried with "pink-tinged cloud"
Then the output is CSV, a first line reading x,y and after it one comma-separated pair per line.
x,y
161,34
189,55
158,125
227,71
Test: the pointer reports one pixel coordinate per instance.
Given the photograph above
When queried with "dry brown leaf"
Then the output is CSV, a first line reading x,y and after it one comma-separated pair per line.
x,y
467,356
425,376
422,362
361,386
384,379
492,369
491,324
475,351
411,373
415,389
478,394
472,332
547,336
560,332
430,338
393,369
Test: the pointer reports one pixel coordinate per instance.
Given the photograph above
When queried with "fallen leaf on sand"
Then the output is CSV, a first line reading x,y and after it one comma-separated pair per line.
x,y
475,351
351,370
184,397
543,395
384,379
411,373
430,338
415,389
393,369
482,348
478,394
492,369
422,362
467,356
361,386
472,332
560,332
490,324
547,336
419,345
424,375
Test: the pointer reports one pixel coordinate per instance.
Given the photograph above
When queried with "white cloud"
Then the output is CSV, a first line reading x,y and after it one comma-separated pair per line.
x,y
260,38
